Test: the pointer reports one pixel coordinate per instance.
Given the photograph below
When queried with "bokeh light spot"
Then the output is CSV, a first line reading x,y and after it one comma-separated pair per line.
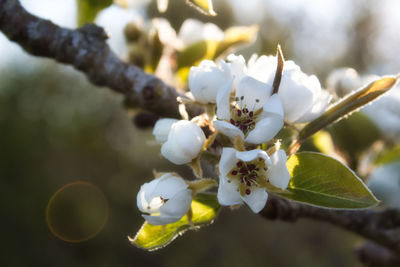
x,y
77,212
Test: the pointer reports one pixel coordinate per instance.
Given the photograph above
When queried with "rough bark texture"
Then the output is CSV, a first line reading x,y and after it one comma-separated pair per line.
x,y
86,50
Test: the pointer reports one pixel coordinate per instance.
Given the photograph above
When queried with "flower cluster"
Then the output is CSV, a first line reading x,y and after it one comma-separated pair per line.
x,y
248,110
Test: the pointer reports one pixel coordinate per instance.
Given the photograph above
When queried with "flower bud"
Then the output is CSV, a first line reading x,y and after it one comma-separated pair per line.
x,y
206,79
166,199
162,128
185,141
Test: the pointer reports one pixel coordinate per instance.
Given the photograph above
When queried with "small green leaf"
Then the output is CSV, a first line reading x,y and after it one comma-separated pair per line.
x,y
325,182
152,237
234,37
88,9
211,49
348,105
203,6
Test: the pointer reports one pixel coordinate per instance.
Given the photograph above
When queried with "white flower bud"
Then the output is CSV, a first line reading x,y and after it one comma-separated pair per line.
x,y
185,141
162,128
343,81
206,79
166,199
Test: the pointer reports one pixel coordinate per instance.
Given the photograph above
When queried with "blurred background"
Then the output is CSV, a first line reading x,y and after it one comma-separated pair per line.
x,y
72,161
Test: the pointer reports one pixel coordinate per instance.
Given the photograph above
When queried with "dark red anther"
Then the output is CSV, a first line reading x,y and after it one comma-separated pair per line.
x,y
234,172
232,121
245,110
243,170
239,113
251,114
248,191
248,183
239,163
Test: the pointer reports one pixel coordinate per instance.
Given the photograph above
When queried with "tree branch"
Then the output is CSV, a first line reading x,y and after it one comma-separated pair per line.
x,y
86,50
381,226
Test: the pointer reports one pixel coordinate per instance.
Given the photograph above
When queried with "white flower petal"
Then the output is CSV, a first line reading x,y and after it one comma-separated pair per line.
x,y
228,129
223,101
178,205
295,96
265,130
228,193
185,141
206,79
238,69
228,161
254,93
171,153
263,69
251,155
162,128
277,173
273,106
257,199
168,186
319,106
160,220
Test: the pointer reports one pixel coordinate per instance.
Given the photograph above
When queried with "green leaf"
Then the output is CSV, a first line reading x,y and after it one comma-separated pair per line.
x,y
234,37
393,155
348,105
211,49
325,182
88,9
355,133
152,237
203,6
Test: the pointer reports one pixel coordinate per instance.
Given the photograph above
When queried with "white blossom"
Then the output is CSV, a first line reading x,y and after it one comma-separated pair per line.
x,y
162,128
245,175
184,143
301,95
206,79
165,199
255,115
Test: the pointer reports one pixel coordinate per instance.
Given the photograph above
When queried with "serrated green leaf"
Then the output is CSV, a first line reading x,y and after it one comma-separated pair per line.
x,y
88,9
347,105
323,181
151,237
203,6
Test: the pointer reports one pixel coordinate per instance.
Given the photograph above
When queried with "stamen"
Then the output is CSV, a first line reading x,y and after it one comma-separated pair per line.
x,y
232,121
234,172
239,113
248,191
239,163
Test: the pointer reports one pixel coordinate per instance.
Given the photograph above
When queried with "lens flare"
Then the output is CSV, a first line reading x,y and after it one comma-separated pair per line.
x,y
77,212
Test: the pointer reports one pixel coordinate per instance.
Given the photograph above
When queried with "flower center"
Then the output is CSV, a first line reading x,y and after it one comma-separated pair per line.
x,y
243,118
248,175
